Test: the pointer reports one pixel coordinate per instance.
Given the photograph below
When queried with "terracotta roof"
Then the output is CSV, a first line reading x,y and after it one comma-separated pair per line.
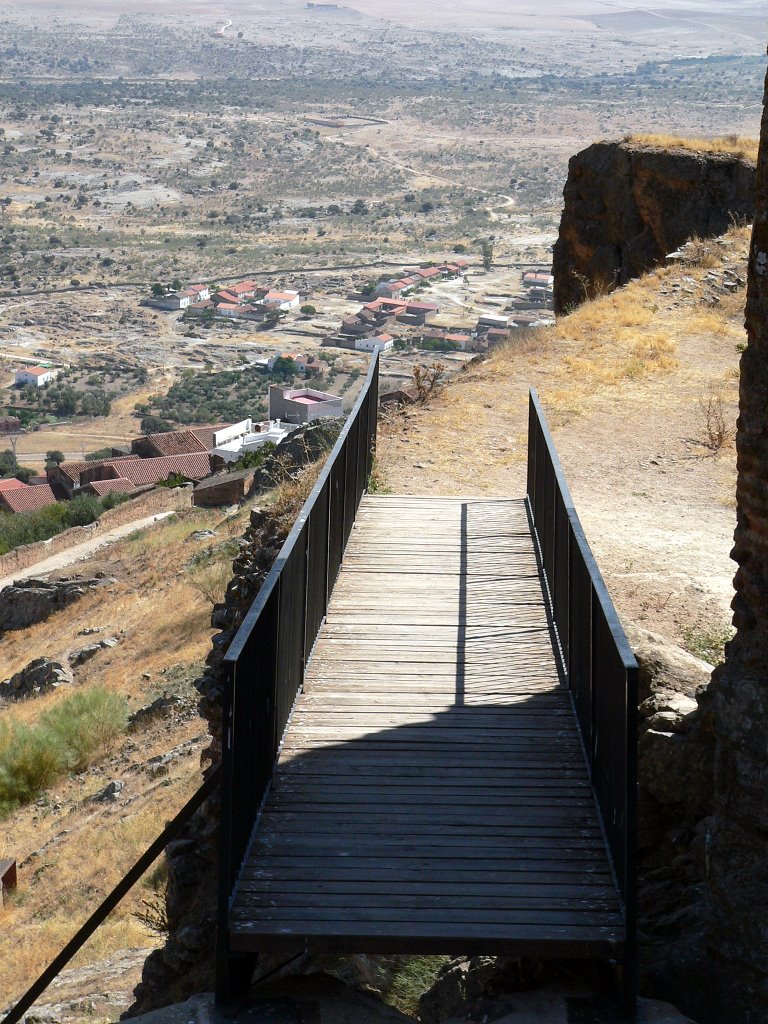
x,y
74,469
10,485
427,306
35,371
242,286
27,499
185,442
281,296
227,296
120,483
193,466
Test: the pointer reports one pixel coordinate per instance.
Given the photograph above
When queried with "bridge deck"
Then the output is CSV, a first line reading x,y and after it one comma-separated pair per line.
x,y
431,794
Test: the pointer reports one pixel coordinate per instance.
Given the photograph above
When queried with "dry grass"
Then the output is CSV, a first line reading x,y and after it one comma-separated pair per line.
x,y
162,623
733,145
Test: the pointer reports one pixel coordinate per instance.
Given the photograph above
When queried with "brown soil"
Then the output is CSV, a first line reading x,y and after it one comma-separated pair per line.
x,y
623,383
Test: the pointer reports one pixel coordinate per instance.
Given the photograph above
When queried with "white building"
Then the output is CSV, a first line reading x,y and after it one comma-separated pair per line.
x,y
281,300
377,343
302,405
234,441
37,376
298,358
172,300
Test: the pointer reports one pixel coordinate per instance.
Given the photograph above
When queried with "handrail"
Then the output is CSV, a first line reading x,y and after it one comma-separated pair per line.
x,y
265,662
597,662
170,832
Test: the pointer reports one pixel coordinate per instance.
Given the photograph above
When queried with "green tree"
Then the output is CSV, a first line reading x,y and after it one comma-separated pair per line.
x,y
8,463
487,251
284,369
158,290
308,310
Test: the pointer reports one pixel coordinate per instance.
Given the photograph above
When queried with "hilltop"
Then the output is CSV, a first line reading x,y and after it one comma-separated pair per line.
x,y
640,387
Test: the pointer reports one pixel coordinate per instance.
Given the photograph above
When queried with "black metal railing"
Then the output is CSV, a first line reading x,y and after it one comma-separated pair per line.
x,y
172,831
599,666
266,660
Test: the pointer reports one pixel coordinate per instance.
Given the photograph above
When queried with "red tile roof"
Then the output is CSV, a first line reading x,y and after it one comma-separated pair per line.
x,y
193,466
27,499
120,483
74,469
428,307
10,485
241,287
185,442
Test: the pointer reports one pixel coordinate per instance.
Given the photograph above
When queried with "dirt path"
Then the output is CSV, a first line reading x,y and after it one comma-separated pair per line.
x,y
656,500
80,551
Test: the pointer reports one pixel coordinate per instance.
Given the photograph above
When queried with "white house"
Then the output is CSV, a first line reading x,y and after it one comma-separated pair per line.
x,y
172,300
376,343
230,446
37,376
302,405
281,300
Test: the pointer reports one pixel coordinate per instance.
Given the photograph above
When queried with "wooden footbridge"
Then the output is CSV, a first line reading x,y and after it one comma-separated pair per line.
x,y
429,738
429,731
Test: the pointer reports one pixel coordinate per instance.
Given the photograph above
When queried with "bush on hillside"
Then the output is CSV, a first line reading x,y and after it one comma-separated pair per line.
x,y
28,527
74,734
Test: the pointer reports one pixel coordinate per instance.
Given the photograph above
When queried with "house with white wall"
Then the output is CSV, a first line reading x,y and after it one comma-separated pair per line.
x,y
37,376
376,343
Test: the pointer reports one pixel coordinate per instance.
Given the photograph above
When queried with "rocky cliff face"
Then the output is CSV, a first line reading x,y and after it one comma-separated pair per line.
x,y
628,206
738,876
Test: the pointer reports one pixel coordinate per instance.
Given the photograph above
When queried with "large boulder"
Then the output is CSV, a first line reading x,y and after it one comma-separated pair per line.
x,y
39,676
26,602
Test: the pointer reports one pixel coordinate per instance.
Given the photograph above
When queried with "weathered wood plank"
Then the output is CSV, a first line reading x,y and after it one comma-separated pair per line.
x,y
431,794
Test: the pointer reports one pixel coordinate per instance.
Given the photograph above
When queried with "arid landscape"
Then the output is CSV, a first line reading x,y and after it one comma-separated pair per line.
x,y
323,148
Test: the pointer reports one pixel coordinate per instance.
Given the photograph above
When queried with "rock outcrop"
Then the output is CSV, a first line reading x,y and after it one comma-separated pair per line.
x,y
675,804
738,873
29,601
39,676
628,206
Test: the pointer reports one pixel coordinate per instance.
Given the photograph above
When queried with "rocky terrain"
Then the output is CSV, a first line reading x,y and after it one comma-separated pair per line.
x,y
627,205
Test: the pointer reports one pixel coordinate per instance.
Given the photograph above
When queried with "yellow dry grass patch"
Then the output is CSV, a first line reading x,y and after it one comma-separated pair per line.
x,y
727,144
162,622
92,845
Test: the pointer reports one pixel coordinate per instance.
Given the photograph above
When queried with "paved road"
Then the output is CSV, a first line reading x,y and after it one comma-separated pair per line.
x,y
84,550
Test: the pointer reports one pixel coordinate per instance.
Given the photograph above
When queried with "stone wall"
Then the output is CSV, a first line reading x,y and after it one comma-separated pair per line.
x,y
628,206
161,499
738,841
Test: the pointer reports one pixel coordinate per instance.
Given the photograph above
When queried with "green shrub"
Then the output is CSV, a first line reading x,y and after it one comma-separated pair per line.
x,y
70,737
86,724
30,761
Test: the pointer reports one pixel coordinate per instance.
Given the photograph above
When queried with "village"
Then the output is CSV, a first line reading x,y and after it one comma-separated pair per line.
x,y
392,317
193,457
408,317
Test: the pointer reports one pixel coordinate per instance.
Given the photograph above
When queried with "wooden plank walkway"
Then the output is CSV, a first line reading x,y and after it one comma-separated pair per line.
x,y
431,795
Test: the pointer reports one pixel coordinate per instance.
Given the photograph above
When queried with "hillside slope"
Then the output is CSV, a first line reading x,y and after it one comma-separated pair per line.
x,y
633,384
